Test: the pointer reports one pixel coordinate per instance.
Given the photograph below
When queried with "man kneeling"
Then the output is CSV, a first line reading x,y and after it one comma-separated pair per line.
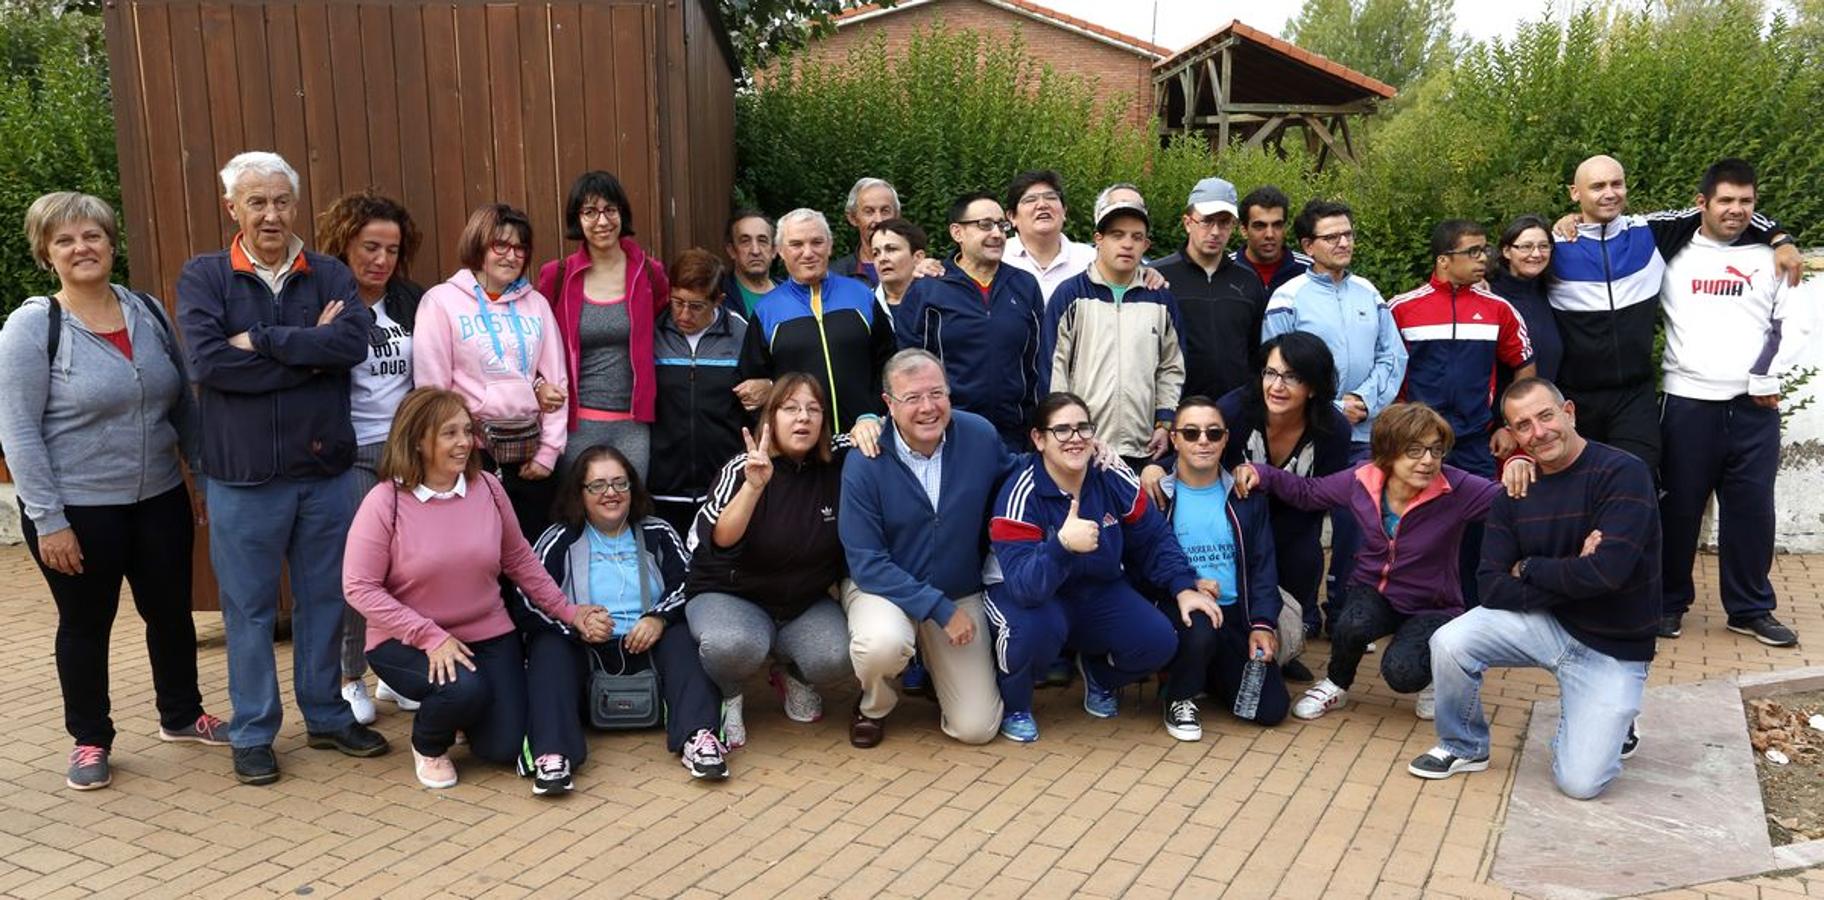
x,y
1570,580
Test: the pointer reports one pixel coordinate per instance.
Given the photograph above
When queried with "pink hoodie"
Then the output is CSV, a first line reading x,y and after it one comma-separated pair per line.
x,y
491,353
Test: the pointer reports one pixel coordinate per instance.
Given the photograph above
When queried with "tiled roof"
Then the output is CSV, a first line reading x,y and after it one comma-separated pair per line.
x,y
1289,49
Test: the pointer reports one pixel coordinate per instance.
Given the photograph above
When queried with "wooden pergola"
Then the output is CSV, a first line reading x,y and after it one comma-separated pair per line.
x,y
1241,83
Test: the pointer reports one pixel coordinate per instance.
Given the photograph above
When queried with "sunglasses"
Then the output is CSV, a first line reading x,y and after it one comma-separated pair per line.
x,y
1192,434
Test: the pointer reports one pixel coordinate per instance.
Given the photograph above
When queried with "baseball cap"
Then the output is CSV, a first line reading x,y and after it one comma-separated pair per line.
x,y
1213,195
1106,208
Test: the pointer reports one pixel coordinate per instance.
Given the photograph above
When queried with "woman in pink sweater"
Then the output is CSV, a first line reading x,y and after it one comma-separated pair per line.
x,y
424,558
488,336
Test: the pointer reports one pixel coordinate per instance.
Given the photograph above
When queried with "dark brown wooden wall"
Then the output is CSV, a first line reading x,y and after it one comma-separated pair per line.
x,y
443,105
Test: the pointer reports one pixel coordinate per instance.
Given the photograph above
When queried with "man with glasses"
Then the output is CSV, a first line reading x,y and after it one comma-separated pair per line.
x,y
914,525
1348,313
981,319
1263,223
1220,301
1114,342
1457,334
1035,201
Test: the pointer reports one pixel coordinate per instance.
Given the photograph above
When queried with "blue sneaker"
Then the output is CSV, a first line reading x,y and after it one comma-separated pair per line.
x,y
1019,728
1098,701
914,679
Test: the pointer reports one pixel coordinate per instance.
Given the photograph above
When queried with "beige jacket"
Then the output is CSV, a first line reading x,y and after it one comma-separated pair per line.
x,y
1123,359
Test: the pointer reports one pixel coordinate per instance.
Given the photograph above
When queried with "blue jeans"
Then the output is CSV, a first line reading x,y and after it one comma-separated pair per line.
x,y
252,530
1599,695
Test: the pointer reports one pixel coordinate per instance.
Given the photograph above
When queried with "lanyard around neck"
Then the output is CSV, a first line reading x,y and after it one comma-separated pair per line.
x,y
519,330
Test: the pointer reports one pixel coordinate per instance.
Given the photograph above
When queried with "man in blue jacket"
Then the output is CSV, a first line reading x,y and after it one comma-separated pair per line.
x,y
272,331
914,524
982,320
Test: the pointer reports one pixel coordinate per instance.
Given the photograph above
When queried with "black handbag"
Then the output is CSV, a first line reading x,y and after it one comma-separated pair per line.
x,y
622,701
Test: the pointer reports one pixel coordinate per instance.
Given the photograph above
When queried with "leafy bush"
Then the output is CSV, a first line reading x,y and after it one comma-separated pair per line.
x,y
56,131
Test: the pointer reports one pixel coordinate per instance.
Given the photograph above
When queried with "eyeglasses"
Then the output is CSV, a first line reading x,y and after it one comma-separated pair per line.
x,y
599,212
1208,221
793,410
508,248
692,306
1335,239
602,486
1420,451
1041,197
1530,249
986,225
1192,434
1084,430
1289,379
935,395
1477,252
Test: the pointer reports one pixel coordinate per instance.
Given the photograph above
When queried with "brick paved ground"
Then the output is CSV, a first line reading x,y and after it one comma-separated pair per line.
x,y
1096,807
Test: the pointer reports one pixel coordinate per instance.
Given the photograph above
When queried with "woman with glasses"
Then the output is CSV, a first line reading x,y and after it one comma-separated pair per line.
x,y
1519,276
607,550
766,560
608,293
1067,538
698,416
1402,496
488,336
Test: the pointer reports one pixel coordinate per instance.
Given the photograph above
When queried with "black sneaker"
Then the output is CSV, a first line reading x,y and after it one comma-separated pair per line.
x,y
355,740
1632,743
1671,626
551,775
1767,630
1441,763
1295,671
256,765
1182,720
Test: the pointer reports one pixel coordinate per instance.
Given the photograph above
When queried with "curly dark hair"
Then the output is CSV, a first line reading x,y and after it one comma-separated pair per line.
x,y
348,214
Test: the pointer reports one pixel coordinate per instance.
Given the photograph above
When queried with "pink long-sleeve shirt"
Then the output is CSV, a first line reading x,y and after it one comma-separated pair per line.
x,y
491,352
430,571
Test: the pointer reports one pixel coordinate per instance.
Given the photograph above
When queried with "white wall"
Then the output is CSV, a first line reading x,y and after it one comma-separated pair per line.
x,y
1799,489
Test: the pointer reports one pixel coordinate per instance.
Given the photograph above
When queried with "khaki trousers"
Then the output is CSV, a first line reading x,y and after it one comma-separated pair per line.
x,y
882,639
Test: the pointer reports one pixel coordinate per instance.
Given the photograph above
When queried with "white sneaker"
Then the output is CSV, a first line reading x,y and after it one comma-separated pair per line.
x,y
1320,698
382,692
734,728
1426,704
802,702
355,694
1370,648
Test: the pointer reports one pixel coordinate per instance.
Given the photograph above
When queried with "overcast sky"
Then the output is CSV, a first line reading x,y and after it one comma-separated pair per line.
x,y
1182,22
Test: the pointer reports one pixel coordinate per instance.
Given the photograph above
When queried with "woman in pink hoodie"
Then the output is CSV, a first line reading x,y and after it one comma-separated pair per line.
x,y
608,295
488,336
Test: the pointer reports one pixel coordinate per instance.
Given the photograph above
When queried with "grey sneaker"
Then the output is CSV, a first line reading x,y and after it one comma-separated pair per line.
x,y
89,768
207,729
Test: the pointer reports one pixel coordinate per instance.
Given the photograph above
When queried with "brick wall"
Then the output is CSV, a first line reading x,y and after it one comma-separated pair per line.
x,y
1118,74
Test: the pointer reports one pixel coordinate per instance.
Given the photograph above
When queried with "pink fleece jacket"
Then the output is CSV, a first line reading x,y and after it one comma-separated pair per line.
x,y
647,292
425,570
454,346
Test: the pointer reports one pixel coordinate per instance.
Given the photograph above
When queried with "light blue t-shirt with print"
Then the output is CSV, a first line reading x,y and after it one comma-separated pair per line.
x,y
1201,520
614,577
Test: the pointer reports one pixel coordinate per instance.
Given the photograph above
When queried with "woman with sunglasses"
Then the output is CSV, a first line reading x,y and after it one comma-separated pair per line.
x,y
488,336
1067,536
1402,496
606,549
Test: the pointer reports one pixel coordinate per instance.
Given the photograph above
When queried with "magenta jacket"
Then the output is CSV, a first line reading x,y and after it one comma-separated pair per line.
x,y
647,292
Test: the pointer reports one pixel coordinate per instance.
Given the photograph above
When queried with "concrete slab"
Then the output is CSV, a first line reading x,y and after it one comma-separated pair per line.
x,y
1686,809
9,517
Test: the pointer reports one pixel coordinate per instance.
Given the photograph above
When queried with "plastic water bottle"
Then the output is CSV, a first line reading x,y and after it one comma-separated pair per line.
x,y
1253,678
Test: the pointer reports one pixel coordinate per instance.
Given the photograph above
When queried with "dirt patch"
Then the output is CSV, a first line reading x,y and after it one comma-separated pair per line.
x,y
1793,793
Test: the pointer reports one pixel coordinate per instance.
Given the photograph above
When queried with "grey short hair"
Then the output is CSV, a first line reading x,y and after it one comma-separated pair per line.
x,y
1115,187
867,184
55,210
801,214
1527,386
908,359
257,162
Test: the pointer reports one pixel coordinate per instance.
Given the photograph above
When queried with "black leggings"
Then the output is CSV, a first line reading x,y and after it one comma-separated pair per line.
x,y
1405,661
149,545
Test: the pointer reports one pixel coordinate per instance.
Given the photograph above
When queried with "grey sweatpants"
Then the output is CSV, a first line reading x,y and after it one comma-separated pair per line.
x,y
354,628
735,635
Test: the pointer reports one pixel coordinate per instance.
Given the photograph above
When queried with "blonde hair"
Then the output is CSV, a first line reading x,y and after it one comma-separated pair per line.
x,y
59,208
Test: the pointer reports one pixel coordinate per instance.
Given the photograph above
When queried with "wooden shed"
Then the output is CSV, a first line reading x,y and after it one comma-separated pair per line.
x,y
444,105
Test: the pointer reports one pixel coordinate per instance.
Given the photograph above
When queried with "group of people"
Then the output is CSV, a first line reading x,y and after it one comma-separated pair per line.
x,y
962,476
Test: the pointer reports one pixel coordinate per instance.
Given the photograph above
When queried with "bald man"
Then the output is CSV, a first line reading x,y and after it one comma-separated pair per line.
x,y
1605,292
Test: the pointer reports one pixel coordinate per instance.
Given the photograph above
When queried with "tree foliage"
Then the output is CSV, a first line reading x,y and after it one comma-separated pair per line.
x,y
1396,41
764,29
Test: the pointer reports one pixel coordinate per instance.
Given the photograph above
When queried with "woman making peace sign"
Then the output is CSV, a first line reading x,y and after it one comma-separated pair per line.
x,y
766,560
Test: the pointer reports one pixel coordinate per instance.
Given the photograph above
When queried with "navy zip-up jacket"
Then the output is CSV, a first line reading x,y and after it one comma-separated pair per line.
x,y
898,547
1035,568
1258,571
989,344
697,418
282,410
565,555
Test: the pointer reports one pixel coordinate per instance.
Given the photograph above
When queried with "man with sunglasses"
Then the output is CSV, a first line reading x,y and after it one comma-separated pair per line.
x,y
981,319
1457,334
1220,301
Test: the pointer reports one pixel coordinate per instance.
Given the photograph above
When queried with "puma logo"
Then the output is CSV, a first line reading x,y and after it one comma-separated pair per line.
x,y
1748,278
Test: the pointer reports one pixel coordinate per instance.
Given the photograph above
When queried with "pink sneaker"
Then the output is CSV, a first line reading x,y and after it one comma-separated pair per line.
x,y
435,772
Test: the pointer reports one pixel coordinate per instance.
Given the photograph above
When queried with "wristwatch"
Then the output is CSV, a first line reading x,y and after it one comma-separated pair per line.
x,y
1520,568
1781,241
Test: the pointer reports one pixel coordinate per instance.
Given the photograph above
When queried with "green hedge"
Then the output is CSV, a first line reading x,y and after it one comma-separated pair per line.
x,y
56,131
1495,135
